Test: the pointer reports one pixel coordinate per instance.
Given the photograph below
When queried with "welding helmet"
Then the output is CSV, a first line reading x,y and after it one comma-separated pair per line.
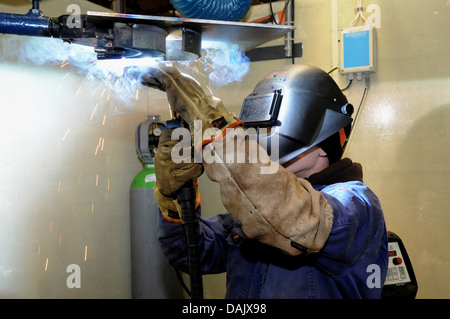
x,y
295,108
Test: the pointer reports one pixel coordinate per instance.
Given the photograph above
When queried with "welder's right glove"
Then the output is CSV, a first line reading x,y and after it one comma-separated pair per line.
x,y
203,112
170,176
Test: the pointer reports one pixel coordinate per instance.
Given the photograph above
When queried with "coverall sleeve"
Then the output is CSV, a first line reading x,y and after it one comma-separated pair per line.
x,y
213,233
358,234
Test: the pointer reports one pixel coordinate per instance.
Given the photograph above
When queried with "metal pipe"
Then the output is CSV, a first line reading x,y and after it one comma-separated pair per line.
x,y
35,4
33,23
121,6
289,37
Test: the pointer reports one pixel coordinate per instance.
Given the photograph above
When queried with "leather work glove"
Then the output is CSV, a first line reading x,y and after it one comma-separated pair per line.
x,y
186,97
170,176
273,205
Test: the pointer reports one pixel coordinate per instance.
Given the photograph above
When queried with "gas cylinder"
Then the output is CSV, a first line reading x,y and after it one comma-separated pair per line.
x,y
152,276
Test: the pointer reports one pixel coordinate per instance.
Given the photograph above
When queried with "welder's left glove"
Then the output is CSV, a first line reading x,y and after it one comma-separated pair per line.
x,y
186,97
273,205
171,175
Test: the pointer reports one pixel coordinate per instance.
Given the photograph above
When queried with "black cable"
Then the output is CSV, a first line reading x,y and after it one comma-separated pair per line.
x,y
356,115
271,13
349,84
334,69
183,284
186,197
360,105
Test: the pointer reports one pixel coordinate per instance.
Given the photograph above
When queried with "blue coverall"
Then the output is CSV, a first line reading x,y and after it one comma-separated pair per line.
x,y
352,264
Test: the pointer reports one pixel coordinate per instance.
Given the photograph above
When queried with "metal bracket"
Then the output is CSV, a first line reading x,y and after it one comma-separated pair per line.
x,y
273,53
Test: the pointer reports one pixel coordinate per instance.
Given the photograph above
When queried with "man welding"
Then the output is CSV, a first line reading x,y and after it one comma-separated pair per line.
x,y
308,229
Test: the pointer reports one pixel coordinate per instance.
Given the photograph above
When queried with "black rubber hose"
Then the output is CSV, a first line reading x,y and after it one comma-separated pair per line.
x,y
186,198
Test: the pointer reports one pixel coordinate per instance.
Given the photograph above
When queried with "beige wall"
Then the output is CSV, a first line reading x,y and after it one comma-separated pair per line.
x,y
403,131
61,193
402,134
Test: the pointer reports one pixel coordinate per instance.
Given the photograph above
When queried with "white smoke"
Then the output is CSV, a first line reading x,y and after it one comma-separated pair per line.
x,y
220,63
53,52
225,63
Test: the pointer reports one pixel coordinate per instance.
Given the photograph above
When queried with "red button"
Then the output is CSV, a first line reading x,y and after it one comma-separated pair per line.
x,y
397,261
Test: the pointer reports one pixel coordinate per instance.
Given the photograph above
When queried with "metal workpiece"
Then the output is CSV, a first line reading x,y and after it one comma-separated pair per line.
x,y
118,35
244,34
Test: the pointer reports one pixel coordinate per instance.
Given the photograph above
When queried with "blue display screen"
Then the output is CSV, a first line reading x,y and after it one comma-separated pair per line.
x,y
356,49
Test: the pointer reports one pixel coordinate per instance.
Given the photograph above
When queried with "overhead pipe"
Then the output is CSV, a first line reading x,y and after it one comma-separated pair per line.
x,y
289,37
121,6
227,10
34,23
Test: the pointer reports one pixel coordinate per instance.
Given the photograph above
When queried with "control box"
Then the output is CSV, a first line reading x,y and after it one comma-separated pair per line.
x,y
357,50
400,279
397,272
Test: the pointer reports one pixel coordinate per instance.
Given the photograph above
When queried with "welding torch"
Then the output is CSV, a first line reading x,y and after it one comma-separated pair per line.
x,y
186,198
186,195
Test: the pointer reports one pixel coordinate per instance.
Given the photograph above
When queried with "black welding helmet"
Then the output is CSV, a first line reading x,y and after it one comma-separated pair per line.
x,y
295,108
